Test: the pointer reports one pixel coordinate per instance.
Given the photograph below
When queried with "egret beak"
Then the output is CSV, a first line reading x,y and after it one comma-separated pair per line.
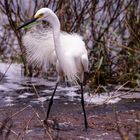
x,y
27,23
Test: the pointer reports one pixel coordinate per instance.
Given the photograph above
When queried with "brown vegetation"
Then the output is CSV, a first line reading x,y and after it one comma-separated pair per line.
x,y
110,29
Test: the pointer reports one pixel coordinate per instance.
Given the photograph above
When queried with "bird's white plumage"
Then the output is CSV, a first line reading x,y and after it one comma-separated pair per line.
x,y
66,51
40,48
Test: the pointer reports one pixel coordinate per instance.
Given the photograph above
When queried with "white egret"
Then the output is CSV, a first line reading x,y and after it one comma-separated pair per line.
x,y
66,51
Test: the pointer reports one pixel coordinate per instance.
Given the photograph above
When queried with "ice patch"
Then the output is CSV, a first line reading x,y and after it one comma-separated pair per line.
x,y
100,99
71,95
28,131
113,101
55,97
3,88
28,94
133,95
8,101
22,96
25,95
94,99
41,99
10,104
12,86
47,91
72,88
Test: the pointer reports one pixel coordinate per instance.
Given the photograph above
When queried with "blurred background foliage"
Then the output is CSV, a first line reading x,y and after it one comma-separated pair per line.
x,y
110,28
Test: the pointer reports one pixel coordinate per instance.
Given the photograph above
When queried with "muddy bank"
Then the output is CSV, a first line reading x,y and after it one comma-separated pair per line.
x,y
25,122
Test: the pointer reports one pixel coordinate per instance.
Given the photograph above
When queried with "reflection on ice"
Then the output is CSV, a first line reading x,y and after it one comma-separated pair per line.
x,y
12,77
12,72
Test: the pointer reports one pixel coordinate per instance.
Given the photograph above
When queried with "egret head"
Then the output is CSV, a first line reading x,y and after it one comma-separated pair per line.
x,y
42,14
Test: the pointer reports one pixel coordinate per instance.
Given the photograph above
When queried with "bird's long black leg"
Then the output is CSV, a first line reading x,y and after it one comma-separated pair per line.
x,y
83,106
51,101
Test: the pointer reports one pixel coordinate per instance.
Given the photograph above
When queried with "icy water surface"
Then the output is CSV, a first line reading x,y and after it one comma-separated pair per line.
x,y
17,89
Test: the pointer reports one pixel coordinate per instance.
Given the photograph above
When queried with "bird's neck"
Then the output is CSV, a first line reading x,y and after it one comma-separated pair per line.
x,y
56,35
60,52
55,26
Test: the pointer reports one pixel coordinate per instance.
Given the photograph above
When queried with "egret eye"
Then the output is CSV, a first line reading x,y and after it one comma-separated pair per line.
x,y
40,15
